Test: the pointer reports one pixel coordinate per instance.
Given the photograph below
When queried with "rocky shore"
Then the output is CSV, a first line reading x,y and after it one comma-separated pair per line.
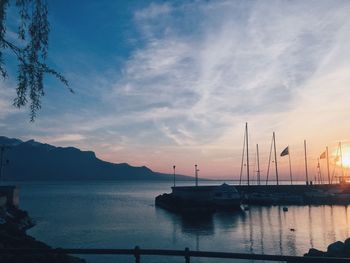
x,y
337,249
13,225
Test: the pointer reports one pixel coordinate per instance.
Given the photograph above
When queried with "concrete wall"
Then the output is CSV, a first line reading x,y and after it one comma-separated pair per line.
x,y
193,193
203,193
11,193
292,189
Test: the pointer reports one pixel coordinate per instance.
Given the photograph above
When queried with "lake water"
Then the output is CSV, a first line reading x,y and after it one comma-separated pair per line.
x,y
123,215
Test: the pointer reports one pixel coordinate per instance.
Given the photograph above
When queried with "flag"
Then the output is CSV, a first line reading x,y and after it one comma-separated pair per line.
x,y
323,155
285,151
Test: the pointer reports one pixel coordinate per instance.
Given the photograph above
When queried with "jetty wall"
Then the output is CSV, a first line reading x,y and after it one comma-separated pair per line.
x,y
293,189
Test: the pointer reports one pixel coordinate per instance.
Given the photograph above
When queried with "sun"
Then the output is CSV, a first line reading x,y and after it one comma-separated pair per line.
x,y
345,159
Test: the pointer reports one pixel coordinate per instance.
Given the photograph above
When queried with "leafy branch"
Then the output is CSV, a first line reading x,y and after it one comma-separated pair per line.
x,y
33,32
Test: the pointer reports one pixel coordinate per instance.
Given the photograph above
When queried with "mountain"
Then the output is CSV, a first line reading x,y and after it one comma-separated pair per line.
x,y
32,160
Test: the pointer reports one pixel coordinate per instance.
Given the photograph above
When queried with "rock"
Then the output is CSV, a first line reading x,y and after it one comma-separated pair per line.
x,y
13,235
336,249
313,252
347,246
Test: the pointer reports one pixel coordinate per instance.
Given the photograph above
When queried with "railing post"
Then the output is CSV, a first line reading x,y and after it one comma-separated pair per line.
x,y
137,254
187,255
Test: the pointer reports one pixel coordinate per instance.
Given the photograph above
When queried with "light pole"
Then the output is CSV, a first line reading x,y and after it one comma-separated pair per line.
x,y
174,166
196,173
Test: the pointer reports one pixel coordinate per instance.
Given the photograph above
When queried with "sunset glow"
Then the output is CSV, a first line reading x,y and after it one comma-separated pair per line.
x,y
345,160
148,91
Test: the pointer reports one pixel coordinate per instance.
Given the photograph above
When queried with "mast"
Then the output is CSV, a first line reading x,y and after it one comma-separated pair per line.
x,y
318,171
196,173
274,145
307,176
246,132
174,173
329,177
341,161
240,175
290,167
258,171
336,159
269,163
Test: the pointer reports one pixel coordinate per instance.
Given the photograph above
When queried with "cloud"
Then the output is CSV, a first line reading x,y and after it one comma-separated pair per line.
x,y
65,138
153,11
242,59
200,70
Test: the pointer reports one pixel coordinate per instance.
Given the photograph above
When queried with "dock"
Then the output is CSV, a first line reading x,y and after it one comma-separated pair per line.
x,y
201,199
320,194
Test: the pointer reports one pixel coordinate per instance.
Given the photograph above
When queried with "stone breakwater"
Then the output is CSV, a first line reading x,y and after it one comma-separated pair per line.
x,y
323,194
337,249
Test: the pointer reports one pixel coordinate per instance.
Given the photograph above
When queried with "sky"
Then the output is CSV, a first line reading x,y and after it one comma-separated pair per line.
x,y
163,83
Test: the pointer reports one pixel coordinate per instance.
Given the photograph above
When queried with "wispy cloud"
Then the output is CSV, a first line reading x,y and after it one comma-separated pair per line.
x,y
153,11
248,59
65,138
201,69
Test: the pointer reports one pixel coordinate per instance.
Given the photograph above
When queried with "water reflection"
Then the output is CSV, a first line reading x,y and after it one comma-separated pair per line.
x,y
264,229
126,219
311,238
261,227
202,225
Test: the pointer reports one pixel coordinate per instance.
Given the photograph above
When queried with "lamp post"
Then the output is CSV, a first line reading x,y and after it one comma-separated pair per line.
x,y
196,173
174,166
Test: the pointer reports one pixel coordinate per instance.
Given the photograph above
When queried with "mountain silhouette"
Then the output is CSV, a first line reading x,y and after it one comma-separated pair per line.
x,y
32,160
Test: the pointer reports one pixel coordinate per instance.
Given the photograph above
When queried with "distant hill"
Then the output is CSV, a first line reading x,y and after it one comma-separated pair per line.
x,y
32,160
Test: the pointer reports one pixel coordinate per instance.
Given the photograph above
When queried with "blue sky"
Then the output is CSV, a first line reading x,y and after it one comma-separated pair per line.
x,y
164,82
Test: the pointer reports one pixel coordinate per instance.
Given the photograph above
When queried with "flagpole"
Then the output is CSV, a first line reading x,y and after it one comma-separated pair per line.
x,y
307,176
290,167
329,177
274,143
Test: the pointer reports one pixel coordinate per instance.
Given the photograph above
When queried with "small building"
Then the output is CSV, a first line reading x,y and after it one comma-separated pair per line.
x,y
11,193
3,201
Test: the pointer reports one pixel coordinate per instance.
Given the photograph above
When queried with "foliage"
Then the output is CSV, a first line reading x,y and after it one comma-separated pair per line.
x,y
30,50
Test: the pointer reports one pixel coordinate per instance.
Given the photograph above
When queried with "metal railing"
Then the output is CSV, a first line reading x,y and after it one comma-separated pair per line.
x,y
137,252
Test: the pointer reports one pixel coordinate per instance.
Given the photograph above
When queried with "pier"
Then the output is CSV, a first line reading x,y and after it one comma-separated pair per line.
x,y
320,194
194,199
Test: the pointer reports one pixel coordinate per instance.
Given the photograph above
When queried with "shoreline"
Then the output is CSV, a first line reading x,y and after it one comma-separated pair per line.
x,y
14,223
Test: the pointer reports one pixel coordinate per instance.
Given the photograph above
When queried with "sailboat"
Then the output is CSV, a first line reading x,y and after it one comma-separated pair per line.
x,y
342,178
